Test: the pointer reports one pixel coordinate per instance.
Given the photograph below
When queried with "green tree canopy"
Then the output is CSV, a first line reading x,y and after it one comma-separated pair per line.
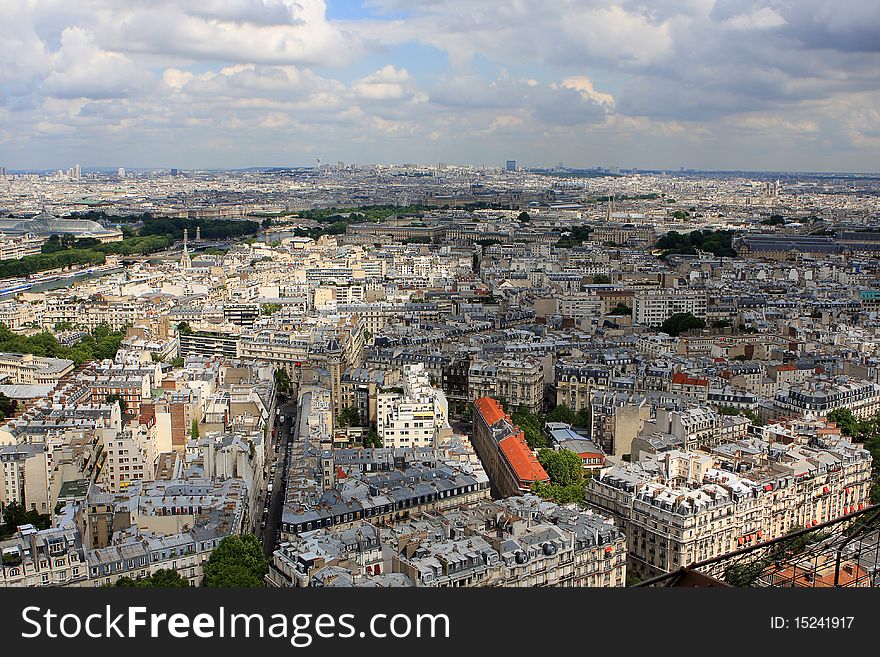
x,y
372,439
718,242
282,381
349,416
237,562
15,515
845,421
531,424
564,467
681,322
115,397
164,578
562,413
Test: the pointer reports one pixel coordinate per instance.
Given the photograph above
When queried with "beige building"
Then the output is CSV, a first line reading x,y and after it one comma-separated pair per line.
x,y
653,307
27,368
691,506
520,381
24,477
413,415
616,419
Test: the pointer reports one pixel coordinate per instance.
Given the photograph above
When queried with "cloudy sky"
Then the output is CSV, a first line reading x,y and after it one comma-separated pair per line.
x,y
748,84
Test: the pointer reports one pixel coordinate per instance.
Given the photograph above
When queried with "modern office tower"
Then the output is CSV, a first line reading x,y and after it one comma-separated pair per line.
x,y
511,165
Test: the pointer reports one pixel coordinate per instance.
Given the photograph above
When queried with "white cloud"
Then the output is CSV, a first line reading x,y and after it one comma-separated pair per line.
x,y
569,77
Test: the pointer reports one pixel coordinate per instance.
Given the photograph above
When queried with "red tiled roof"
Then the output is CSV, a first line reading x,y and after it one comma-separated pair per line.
x,y
521,458
687,379
490,410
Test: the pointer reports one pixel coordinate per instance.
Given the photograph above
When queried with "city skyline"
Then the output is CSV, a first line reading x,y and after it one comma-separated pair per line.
x,y
240,83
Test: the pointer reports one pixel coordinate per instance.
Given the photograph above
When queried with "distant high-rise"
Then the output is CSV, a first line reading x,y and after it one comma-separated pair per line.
x,y
174,172
121,172
76,171
511,165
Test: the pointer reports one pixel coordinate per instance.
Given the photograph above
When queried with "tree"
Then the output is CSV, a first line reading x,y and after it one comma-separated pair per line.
x,y
270,308
621,309
744,412
15,515
584,417
601,279
349,416
282,381
237,562
163,578
372,439
117,398
183,328
7,406
194,429
524,217
681,322
718,242
564,467
845,421
561,413
177,361
531,425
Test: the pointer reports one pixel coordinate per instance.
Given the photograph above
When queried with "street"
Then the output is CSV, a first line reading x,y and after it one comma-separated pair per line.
x,y
279,450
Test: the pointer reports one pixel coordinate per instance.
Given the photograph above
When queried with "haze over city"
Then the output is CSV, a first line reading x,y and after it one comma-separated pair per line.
x,y
765,85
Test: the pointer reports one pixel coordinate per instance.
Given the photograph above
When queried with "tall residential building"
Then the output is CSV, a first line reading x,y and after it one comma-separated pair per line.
x,y
519,381
681,507
24,477
413,415
501,445
653,307
510,165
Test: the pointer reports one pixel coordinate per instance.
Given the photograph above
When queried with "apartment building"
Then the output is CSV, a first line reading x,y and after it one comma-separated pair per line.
x,y
16,247
519,381
49,557
509,462
24,477
326,347
575,382
616,419
515,542
822,396
689,429
29,369
683,507
413,415
653,307
133,388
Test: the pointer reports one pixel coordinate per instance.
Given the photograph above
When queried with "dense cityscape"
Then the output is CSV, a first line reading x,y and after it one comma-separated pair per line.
x,y
438,376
